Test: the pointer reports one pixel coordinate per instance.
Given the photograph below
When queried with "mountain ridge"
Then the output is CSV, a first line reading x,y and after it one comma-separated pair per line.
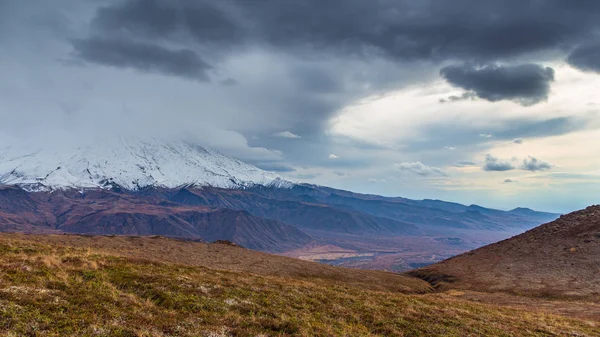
x,y
104,212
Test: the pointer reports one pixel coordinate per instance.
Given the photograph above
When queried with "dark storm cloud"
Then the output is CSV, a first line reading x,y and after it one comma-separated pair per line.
x,y
494,164
586,57
465,29
311,33
399,29
526,84
142,56
534,164
204,21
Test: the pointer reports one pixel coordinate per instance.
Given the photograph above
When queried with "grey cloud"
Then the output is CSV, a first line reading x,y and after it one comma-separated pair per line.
x,y
518,141
419,168
586,57
494,164
464,164
142,56
229,82
313,150
533,128
526,84
277,96
311,79
534,164
464,96
529,164
509,181
466,136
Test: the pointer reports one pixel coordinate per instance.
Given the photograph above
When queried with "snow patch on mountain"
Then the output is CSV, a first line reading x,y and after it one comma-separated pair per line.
x,y
130,163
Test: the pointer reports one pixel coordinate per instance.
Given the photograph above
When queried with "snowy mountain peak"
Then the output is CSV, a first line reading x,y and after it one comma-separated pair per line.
x,y
131,164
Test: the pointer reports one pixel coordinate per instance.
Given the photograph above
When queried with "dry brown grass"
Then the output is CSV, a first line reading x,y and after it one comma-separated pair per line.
x,y
585,310
225,257
84,286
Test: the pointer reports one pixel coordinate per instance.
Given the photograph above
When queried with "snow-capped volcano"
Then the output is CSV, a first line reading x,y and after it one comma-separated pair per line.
x,y
130,163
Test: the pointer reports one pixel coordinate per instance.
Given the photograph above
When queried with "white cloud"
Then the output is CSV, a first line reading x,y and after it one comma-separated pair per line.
x,y
286,134
333,156
419,168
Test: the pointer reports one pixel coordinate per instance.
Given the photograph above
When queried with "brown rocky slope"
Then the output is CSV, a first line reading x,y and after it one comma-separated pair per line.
x,y
558,259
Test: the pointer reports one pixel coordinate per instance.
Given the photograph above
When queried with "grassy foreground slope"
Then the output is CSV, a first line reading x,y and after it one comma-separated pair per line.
x,y
69,286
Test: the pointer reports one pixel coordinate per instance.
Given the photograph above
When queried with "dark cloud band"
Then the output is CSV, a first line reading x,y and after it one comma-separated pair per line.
x,y
203,21
403,30
142,56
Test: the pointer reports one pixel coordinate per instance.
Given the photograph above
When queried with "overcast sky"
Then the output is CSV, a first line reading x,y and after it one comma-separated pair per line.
x,y
491,102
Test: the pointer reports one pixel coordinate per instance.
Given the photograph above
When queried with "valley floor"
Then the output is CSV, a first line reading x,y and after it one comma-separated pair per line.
x,y
66,285
393,253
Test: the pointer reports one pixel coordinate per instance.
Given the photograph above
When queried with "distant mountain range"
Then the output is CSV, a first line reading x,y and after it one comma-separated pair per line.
x,y
149,187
